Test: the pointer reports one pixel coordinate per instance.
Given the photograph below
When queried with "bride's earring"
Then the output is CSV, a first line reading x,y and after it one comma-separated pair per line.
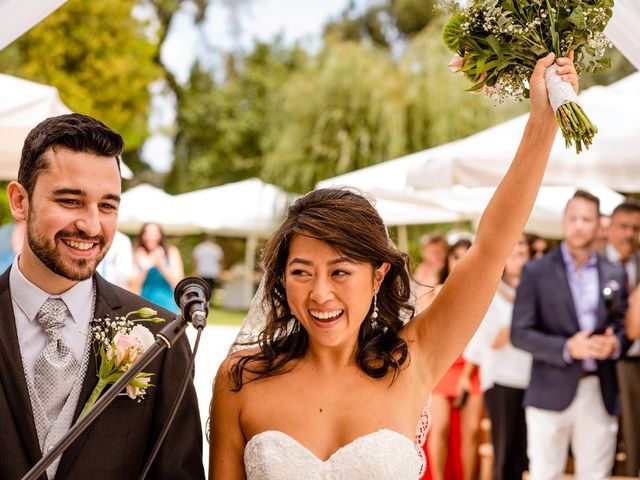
x,y
374,314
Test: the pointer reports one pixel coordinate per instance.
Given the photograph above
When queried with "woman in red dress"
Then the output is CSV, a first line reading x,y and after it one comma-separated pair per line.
x,y
453,455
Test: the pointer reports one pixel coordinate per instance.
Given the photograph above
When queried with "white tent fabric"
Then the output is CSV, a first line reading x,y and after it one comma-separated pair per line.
x,y
236,209
24,104
545,217
613,160
18,16
145,203
249,209
383,181
623,29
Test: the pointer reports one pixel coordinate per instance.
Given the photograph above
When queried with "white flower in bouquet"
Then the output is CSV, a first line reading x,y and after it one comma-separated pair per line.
x,y
498,43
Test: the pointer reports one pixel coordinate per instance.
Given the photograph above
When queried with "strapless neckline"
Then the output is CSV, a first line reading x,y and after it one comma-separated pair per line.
x,y
292,440
379,455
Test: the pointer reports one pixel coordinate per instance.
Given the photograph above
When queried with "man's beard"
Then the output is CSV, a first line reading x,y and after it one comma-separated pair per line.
x,y
48,254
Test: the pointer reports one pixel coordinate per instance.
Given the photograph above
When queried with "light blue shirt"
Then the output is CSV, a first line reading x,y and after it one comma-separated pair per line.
x,y
585,290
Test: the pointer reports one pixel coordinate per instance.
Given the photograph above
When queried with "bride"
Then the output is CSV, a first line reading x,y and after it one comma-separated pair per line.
x,y
336,385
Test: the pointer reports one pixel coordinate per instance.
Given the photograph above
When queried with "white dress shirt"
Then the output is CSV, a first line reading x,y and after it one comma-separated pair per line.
x,y
117,265
507,366
27,300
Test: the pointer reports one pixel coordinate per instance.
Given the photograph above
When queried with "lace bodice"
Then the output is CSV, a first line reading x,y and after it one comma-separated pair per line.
x,y
383,454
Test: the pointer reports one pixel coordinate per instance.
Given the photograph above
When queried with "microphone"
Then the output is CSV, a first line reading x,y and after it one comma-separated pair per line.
x,y
192,294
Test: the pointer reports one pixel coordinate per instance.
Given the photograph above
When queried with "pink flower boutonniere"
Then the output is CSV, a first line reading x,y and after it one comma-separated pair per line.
x,y
122,342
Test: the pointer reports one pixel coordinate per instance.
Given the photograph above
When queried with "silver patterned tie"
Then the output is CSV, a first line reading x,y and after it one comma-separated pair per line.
x,y
56,367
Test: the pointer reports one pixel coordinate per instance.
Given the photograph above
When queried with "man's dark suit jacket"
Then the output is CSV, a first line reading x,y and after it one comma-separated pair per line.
x,y
117,444
544,318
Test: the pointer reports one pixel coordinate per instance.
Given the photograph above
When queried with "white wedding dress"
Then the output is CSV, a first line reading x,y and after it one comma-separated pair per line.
x,y
380,455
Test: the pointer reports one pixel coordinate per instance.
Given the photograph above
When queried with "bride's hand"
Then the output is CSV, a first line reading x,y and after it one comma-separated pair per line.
x,y
538,86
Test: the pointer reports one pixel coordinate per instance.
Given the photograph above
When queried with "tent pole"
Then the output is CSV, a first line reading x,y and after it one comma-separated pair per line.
x,y
403,238
249,260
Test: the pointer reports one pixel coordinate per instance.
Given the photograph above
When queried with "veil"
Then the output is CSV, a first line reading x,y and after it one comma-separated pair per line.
x,y
253,323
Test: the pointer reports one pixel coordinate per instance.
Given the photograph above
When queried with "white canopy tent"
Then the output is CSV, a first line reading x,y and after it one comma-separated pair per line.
x,y
545,218
387,183
249,209
18,16
612,161
24,104
442,179
145,203
623,29
236,209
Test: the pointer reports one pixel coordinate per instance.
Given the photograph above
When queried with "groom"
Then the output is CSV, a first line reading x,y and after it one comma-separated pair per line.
x,y
68,192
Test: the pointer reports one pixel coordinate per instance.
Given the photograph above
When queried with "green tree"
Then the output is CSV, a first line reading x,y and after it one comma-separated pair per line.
x,y
382,23
439,107
356,105
342,112
100,59
222,123
411,16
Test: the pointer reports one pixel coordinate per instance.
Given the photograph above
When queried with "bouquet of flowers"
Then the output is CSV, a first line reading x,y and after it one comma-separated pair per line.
x,y
121,344
498,43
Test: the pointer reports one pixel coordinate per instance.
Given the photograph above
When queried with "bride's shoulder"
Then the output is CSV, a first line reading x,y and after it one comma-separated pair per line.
x,y
232,372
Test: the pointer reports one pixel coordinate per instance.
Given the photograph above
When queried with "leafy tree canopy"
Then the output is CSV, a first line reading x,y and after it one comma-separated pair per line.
x,y
222,123
99,58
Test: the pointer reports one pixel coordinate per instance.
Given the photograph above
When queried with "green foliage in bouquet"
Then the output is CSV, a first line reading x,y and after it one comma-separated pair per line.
x,y
499,42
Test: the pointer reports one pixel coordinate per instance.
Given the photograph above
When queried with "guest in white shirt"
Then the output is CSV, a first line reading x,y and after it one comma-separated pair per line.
x,y
504,372
208,259
117,265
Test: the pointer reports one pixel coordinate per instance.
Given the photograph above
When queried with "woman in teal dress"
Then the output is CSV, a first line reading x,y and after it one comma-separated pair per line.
x,y
157,267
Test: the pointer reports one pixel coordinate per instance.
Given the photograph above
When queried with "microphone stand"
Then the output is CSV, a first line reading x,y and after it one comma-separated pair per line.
x,y
169,334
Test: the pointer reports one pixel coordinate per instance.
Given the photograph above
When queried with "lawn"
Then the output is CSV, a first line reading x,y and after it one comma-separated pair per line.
x,y
222,316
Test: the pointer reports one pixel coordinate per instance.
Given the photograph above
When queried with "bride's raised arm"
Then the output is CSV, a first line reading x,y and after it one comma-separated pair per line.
x,y
445,327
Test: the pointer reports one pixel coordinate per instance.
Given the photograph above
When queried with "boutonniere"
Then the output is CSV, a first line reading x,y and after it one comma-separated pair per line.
x,y
610,289
121,342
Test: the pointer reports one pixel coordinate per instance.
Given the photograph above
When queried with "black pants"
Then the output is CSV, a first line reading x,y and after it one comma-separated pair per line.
x,y
629,381
508,431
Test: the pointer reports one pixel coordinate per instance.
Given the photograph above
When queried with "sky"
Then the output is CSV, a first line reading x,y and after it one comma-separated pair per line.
x,y
295,20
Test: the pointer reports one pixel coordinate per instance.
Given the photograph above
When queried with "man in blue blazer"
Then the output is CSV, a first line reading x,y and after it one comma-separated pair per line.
x,y
568,313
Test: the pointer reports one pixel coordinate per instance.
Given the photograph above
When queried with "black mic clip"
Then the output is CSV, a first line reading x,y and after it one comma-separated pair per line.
x,y
192,294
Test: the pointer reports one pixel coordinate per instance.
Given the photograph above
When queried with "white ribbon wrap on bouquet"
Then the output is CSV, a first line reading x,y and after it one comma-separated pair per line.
x,y
560,92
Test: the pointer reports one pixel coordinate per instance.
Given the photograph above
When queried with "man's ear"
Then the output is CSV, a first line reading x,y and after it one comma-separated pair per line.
x,y
18,201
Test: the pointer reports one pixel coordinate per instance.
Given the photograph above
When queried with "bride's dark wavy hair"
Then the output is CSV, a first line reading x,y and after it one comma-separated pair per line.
x,y
349,223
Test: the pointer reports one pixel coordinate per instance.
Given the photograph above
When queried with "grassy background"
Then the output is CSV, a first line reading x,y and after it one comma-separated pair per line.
x,y
222,316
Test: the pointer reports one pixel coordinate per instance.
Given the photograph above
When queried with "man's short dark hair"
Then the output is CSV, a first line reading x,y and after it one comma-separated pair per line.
x,y
77,132
584,195
628,206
